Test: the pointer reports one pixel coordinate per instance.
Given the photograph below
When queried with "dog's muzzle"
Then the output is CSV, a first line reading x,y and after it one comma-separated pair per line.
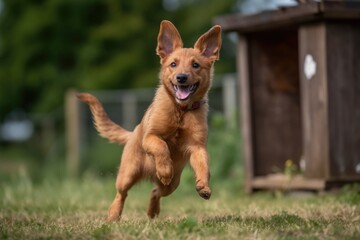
x,y
183,92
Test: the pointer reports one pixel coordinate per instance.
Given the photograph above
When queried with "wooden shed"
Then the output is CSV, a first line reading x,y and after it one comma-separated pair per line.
x,y
299,73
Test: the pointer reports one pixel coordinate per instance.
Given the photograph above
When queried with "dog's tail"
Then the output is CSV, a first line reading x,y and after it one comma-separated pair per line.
x,y
103,124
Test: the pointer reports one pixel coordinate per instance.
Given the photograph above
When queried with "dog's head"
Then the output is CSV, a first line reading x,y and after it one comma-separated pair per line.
x,y
186,73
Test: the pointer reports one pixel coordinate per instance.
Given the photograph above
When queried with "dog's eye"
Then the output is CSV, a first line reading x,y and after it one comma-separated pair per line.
x,y
173,64
195,65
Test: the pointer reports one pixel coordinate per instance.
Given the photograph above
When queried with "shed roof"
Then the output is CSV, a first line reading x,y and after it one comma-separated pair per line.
x,y
291,16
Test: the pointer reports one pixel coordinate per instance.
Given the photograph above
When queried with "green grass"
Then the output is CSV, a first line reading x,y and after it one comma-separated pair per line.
x,y
76,209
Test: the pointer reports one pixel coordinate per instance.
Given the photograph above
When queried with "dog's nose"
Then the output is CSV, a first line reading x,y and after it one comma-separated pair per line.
x,y
181,78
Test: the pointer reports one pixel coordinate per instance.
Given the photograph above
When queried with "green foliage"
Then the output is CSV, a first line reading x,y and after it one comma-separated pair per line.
x,y
48,46
102,157
224,147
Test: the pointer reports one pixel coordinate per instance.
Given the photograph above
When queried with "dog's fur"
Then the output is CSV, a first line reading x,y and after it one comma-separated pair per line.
x,y
173,129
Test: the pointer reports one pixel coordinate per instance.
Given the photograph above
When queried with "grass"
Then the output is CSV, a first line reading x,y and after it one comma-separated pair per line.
x,y
75,209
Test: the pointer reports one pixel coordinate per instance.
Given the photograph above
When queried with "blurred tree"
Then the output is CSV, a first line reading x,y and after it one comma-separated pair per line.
x,y
48,46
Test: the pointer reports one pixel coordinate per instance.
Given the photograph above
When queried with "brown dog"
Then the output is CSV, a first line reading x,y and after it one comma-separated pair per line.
x,y
174,128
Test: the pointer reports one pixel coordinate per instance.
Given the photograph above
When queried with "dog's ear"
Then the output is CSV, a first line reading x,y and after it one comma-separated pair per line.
x,y
168,39
209,43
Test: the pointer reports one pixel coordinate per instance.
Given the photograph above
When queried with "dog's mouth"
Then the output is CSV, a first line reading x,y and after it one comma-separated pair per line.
x,y
183,92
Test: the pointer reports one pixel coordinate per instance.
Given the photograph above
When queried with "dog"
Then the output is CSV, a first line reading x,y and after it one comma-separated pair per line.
x,y
174,128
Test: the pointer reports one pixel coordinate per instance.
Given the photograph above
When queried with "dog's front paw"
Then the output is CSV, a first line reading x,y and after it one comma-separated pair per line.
x,y
165,174
204,192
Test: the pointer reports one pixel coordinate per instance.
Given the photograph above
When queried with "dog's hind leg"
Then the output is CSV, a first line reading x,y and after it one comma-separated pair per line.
x,y
126,178
154,206
116,207
161,191
123,183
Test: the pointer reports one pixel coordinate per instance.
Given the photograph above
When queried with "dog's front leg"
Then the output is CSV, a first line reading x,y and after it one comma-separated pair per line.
x,y
159,151
199,162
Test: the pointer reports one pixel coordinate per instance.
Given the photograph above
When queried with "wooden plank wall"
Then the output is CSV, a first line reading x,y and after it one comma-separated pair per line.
x,y
314,102
331,100
343,75
275,100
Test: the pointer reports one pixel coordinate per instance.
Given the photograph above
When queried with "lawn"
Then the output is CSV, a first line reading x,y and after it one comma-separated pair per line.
x,y
76,209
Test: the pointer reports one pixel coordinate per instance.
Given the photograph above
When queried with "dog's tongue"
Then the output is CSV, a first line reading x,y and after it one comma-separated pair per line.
x,y
182,93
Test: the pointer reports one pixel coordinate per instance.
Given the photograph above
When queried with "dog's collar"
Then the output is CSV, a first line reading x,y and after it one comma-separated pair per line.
x,y
193,106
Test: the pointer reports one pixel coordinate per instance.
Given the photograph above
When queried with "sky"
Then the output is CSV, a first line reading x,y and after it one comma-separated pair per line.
x,y
253,6
245,6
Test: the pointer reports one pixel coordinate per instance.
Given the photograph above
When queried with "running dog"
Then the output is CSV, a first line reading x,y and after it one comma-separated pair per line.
x,y
174,128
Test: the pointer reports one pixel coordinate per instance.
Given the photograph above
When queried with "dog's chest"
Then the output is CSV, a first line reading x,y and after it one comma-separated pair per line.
x,y
177,133
177,139
181,131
